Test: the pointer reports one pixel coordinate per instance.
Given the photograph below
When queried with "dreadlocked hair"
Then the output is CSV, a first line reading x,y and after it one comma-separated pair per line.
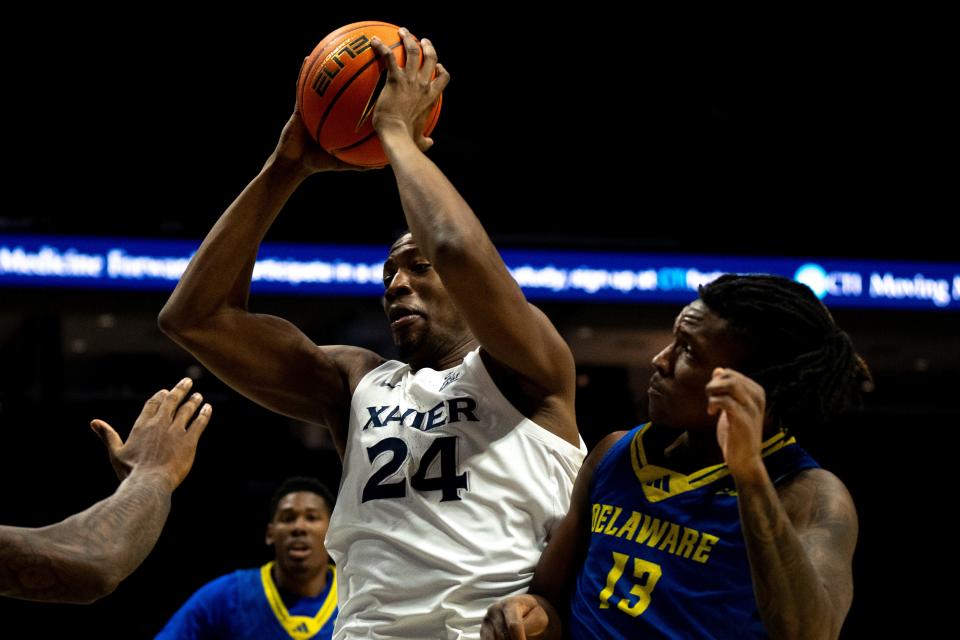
x,y
806,364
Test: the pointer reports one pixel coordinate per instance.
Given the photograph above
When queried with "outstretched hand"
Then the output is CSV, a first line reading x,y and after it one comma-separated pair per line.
x,y
411,91
741,405
163,438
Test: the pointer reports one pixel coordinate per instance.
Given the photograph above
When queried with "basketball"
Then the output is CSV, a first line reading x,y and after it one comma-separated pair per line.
x,y
338,87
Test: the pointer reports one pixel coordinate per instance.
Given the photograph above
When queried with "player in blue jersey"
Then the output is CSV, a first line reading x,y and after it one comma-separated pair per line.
x,y
293,596
710,521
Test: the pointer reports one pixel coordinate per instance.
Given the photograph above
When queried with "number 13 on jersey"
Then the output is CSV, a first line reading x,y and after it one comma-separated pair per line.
x,y
646,574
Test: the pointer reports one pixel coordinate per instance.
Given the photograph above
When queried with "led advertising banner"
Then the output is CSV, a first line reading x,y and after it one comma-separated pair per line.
x,y
118,263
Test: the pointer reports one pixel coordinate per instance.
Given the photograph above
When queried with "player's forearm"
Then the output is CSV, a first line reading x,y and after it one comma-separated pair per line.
x,y
791,597
86,556
219,274
442,222
552,585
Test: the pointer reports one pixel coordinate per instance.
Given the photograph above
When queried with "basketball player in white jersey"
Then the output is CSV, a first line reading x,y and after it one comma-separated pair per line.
x,y
457,461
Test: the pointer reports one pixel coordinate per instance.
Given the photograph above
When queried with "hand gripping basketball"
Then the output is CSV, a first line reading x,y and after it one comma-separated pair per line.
x,y
338,88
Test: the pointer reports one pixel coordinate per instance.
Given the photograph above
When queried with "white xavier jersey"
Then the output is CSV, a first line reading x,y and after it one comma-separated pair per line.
x,y
447,496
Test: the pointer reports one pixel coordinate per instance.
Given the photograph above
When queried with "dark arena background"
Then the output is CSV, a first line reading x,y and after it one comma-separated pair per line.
x,y
818,136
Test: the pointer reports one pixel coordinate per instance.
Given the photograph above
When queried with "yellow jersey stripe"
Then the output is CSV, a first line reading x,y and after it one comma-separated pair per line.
x,y
651,476
298,627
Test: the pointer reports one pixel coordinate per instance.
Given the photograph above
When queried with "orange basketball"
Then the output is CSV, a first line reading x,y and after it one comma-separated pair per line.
x,y
338,87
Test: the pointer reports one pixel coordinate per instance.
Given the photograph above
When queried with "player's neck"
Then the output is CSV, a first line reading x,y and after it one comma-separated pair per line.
x,y
446,356
692,451
308,584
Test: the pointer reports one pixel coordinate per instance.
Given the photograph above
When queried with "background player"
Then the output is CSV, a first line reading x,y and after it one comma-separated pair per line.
x,y
294,595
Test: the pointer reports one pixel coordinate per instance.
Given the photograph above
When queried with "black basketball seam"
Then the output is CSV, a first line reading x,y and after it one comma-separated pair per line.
x,y
355,144
321,58
370,135
372,100
326,113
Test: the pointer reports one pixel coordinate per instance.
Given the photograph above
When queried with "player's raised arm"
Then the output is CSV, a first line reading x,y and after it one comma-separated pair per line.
x,y
451,237
264,357
800,536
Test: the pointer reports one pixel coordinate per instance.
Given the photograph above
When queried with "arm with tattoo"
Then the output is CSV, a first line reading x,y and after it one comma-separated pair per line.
x,y
800,535
800,540
86,556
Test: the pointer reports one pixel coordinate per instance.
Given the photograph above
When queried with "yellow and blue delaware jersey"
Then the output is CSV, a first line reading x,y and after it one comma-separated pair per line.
x,y
246,604
667,558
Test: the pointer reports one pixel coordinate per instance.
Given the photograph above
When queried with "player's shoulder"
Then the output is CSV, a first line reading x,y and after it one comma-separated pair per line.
x,y
815,479
607,443
599,452
222,586
816,493
353,362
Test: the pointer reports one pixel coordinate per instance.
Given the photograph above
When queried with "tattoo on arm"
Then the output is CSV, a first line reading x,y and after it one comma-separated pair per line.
x,y
800,540
85,556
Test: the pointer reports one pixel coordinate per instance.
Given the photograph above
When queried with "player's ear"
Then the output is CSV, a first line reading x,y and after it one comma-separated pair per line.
x,y
269,536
